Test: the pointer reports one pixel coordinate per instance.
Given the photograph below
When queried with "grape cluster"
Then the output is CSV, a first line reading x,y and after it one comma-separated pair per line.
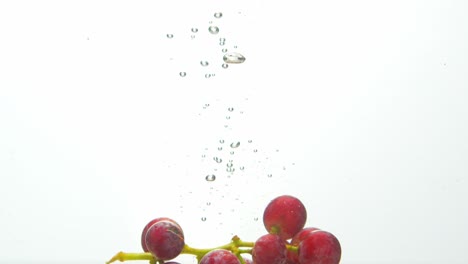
x,y
286,241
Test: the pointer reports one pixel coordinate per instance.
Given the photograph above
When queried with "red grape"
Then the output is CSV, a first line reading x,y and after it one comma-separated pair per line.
x,y
220,256
320,247
284,216
269,249
164,239
293,257
143,234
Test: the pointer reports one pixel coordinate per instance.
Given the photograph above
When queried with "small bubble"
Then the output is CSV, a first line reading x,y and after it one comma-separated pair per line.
x,y
234,57
220,148
235,144
256,219
213,29
208,203
225,65
224,50
228,117
207,75
232,152
221,43
235,46
206,105
203,156
222,39
194,30
169,36
230,109
210,177
250,141
204,63
230,169
203,219
270,175
255,150
229,164
192,36
182,74
218,14
221,141
241,167
218,160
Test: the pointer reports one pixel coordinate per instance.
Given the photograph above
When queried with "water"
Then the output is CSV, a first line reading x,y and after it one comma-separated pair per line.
x,y
234,58
213,29
210,177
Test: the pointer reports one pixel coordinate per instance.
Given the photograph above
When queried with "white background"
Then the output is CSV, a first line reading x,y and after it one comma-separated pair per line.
x,y
358,108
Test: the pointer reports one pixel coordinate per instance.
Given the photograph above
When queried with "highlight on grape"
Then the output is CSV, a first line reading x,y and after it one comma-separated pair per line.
x,y
286,241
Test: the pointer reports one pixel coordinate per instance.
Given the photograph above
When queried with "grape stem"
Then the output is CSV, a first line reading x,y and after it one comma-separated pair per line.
x,y
236,246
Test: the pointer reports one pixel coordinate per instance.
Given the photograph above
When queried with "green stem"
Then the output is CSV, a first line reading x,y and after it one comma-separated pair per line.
x,y
237,246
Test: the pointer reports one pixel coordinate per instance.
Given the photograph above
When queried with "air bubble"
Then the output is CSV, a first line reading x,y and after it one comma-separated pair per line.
x,y
256,219
182,74
270,175
225,65
230,169
250,141
220,148
230,109
221,141
194,30
208,75
213,29
224,50
218,14
234,58
218,160
241,167
203,219
235,144
208,203
169,36
228,117
255,150
204,63
210,177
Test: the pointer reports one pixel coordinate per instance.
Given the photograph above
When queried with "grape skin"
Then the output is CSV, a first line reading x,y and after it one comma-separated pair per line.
x,y
145,230
320,247
269,249
293,257
165,240
220,256
285,216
